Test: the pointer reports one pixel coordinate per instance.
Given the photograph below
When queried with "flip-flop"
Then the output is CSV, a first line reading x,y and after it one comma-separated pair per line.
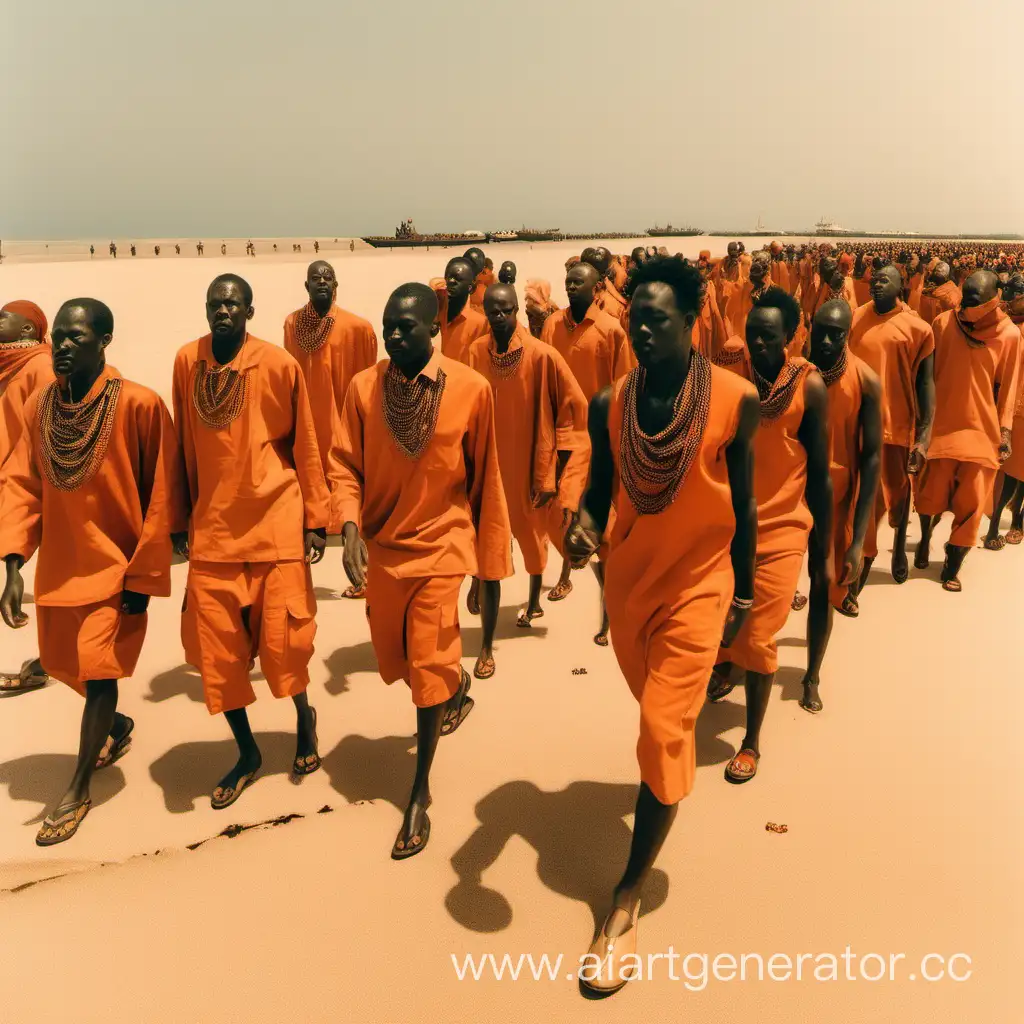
x,y
743,767
850,607
61,827
812,709
417,842
954,585
354,593
921,559
456,715
601,639
485,673
119,749
524,620
299,765
560,591
799,602
995,543
902,576
243,782
719,687
36,681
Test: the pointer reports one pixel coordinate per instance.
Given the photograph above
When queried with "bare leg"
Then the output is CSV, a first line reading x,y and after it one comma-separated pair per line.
x,y
651,826
743,767
601,638
955,556
489,604
899,566
305,730
1017,507
563,587
993,541
250,759
924,548
97,724
819,630
864,573
533,609
428,732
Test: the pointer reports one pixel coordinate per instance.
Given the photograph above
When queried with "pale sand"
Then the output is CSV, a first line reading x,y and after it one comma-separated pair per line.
x,y
904,824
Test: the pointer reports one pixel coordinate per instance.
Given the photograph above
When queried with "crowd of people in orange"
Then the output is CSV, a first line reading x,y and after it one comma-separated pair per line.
x,y
695,430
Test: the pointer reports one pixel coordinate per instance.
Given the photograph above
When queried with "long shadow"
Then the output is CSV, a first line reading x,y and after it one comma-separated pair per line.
x,y
347,661
714,720
181,680
789,679
505,628
582,843
190,771
791,641
365,770
41,778
326,594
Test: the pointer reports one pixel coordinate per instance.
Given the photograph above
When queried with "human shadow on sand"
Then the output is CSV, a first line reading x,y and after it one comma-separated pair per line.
x,y
41,778
183,680
190,771
365,770
582,843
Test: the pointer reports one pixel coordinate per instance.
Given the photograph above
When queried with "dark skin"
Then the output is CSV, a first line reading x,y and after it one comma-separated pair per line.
x,y
767,339
228,312
459,279
661,333
981,287
78,359
886,291
759,270
600,259
410,326
507,273
477,258
321,286
829,335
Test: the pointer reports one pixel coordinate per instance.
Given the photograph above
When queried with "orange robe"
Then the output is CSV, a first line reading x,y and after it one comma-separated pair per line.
x,y
611,301
110,534
810,284
428,523
783,526
538,411
22,371
597,349
862,287
825,294
484,280
457,336
975,398
845,397
668,585
727,278
350,346
709,332
894,345
254,487
780,276
1014,465
618,273
939,300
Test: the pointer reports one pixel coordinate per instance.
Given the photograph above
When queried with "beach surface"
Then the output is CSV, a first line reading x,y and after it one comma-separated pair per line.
x,y
904,827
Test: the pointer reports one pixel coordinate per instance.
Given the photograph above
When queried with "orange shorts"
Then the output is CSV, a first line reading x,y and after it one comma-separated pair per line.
x,y
530,532
775,580
894,488
667,660
963,488
89,642
414,627
234,611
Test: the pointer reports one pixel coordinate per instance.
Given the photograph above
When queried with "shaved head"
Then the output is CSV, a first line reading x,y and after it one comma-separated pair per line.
x,y
419,296
318,267
835,313
981,287
500,293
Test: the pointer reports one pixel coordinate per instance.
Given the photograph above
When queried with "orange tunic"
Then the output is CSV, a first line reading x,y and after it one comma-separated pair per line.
x,y
350,346
709,332
457,336
255,485
22,371
484,280
727,278
668,584
825,294
862,287
443,514
939,300
611,301
783,526
538,411
597,349
110,534
780,277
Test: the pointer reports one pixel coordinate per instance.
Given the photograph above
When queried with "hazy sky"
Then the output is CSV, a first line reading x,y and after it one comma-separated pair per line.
x,y
261,117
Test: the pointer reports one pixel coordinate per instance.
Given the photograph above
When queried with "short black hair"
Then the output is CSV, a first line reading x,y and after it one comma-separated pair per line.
x,y
100,315
244,285
686,281
777,298
422,293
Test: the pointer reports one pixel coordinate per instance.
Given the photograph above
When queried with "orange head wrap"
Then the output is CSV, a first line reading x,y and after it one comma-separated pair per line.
x,y
31,312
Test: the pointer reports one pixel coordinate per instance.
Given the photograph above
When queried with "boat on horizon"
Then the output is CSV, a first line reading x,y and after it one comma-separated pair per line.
x,y
406,236
536,235
671,232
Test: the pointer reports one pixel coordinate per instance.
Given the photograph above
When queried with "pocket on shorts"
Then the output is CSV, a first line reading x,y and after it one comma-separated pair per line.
x,y
289,623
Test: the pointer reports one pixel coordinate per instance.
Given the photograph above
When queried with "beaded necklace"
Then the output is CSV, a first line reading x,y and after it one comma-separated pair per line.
x,y
837,371
777,397
411,408
506,364
74,435
10,346
220,394
653,467
311,329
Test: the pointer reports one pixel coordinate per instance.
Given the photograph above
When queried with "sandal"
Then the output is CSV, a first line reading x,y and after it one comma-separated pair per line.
x,y
850,607
311,762
417,843
601,639
485,667
995,543
1014,536
11,686
355,593
812,707
460,708
799,602
59,828
233,792
560,591
953,586
743,767
525,618
119,748
719,687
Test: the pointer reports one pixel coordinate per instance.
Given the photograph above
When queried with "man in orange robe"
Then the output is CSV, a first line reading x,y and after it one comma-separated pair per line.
x,y
728,275
793,487
899,346
254,518
780,272
420,494
977,367
939,295
26,364
855,443
461,324
609,298
680,577
540,423
862,274
834,284
1011,492
742,299
483,278
98,509
598,353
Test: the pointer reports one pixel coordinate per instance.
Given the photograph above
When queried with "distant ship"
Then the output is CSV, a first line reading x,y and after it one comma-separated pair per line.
x,y
829,227
503,236
535,235
762,232
671,232
406,236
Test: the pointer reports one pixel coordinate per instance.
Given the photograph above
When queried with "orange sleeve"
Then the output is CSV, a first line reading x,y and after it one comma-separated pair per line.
x,y
571,435
1008,377
316,499
346,461
485,492
21,497
623,359
368,351
149,569
186,475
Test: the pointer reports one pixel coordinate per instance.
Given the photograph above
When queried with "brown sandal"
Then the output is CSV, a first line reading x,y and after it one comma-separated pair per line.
x,y
743,767
560,591
59,828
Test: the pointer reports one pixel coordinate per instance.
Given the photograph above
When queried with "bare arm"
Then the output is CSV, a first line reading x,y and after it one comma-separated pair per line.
x,y
597,500
870,471
925,386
